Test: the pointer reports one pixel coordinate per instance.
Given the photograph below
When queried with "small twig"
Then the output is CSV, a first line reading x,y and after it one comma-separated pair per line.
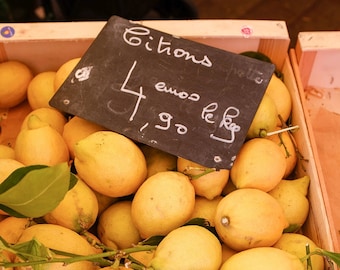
x,y
282,130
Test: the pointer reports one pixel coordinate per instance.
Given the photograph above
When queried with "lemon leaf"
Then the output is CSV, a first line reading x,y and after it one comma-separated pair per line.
x,y
16,176
335,257
38,192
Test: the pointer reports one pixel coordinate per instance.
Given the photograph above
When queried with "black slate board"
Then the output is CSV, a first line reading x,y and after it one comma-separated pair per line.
x,y
182,97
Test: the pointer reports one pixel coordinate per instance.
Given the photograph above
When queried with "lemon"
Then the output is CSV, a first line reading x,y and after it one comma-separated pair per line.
x,y
64,71
265,118
280,94
77,211
162,203
227,252
63,239
103,201
158,160
206,209
248,218
260,164
39,143
14,79
10,122
229,187
50,116
295,244
262,258
110,163
6,152
41,89
76,129
115,225
207,182
11,228
291,194
288,147
188,247
144,257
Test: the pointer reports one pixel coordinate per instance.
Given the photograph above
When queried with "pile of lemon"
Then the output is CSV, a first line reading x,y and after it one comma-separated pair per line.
x,y
127,192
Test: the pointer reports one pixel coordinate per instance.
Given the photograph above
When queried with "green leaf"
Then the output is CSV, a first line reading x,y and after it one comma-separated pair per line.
x,y
16,176
257,55
153,240
11,212
73,181
335,257
38,192
262,57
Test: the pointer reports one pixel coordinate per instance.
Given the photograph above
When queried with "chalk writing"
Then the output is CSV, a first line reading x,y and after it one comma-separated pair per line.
x,y
123,88
227,123
83,74
161,87
166,119
132,36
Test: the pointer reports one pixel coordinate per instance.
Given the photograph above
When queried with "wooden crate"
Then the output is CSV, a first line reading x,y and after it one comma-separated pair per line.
x,y
45,46
316,64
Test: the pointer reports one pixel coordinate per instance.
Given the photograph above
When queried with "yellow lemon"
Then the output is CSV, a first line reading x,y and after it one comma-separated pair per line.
x,y
41,89
63,239
143,257
40,144
262,258
163,202
259,164
291,194
14,79
115,225
6,151
103,201
10,122
188,247
158,160
288,147
280,94
110,163
227,252
265,118
76,129
207,182
48,115
295,244
11,228
64,71
77,211
206,209
248,218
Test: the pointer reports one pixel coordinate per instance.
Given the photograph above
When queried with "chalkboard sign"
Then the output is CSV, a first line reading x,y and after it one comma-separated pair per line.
x,y
180,96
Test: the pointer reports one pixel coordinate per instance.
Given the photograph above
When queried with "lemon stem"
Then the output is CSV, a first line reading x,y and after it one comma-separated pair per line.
x,y
309,262
74,258
263,133
196,176
282,130
225,221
